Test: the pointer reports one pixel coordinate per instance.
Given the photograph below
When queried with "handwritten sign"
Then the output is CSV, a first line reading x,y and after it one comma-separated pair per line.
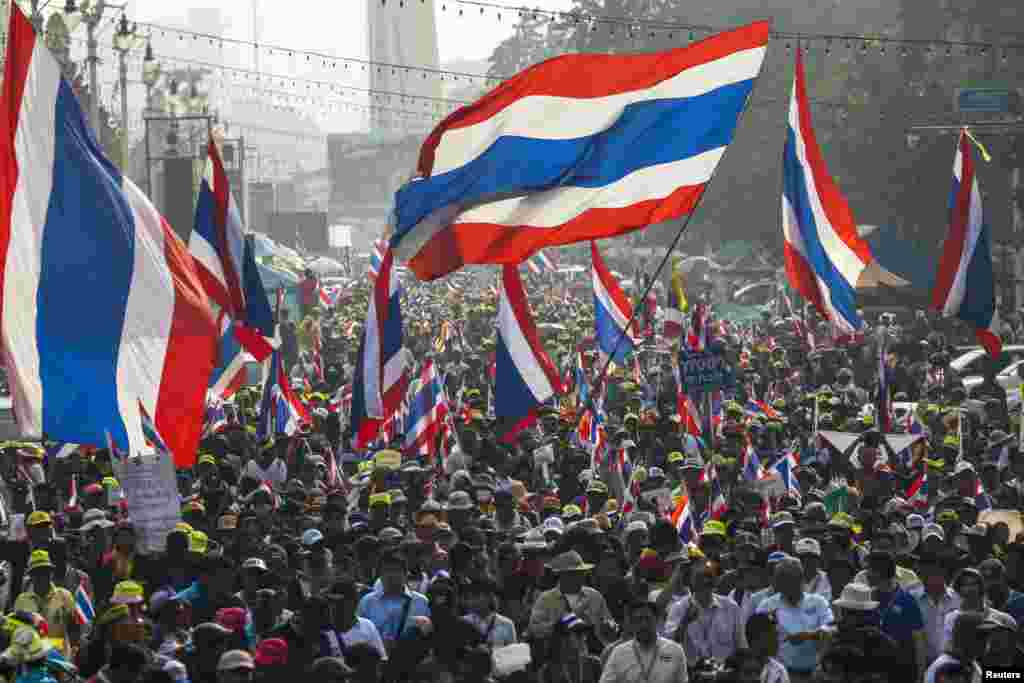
x,y
151,488
705,371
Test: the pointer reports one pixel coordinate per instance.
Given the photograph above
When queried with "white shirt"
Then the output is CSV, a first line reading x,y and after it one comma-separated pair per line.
x,y
774,672
820,585
364,631
929,675
668,664
934,615
277,473
716,632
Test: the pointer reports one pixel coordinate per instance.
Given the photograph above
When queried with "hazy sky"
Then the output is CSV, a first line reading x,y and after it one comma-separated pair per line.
x,y
341,24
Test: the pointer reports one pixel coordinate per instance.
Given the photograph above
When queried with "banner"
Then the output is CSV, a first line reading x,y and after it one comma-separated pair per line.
x,y
151,488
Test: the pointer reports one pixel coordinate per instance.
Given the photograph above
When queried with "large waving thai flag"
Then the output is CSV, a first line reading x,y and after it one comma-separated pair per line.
x,y
558,155
382,372
217,241
525,378
281,411
964,286
101,308
612,312
824,254
682,519
229,375
428,411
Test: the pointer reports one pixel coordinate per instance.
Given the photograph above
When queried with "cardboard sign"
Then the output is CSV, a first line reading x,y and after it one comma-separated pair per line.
x,y
154,505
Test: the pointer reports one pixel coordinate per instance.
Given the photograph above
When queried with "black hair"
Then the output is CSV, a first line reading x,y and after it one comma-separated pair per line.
x,y
128,656
758,625
968,573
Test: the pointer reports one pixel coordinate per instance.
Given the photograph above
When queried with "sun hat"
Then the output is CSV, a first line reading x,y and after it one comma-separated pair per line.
x,y
459,500
254,563
807,546
780,519
235,659
636,526
39,559
856,596
570,561
26,646
127,593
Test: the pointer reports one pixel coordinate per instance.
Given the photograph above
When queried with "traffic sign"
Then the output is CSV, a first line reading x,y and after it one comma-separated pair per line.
x,y
988,100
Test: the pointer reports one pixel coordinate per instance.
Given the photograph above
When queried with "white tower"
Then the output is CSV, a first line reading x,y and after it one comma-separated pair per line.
x,y
402,34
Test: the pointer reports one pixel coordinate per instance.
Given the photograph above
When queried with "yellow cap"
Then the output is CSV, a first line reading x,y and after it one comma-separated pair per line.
x,y
388,459
714,527
675,456
127,593
198,542
380,499
695,552
571,511
110,483
39,559
207,459
183,526
39,518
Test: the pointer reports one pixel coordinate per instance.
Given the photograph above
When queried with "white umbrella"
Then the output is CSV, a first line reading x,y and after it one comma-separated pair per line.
x,y
324,265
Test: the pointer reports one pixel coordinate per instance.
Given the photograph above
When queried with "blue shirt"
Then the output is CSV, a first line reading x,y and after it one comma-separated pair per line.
x,y
812,614
1015,606
196,596
385,611
900,617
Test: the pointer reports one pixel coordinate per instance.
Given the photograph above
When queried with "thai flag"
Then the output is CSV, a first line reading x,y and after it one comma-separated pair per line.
x,y
281,412
580,374
539,263
257,332
230,374
682,519
329,295
981,498
427,413
612,312
84,611
752,469
101,307
917,493
717,414
964,285
784,469
73,492
824,254
217,241
525,378
697,339
382,373
380,247
719,506
152,434
760,409
554,156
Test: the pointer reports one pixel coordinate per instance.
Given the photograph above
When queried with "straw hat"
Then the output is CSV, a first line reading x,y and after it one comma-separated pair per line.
x,y
856,596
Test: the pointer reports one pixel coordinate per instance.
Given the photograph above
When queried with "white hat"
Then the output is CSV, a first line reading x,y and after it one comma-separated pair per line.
x,y
915,522
963,466
856,596
807,546
933,530
638,525
554,524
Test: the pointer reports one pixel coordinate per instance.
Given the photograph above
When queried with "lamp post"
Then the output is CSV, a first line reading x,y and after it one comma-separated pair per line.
x,y
150,75
125,40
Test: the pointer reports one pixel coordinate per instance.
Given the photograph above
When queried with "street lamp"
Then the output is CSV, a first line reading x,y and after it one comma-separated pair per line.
x,y
125,40
197,101
150,75
90,12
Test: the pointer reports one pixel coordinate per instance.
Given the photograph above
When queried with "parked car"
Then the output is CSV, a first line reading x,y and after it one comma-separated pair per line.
x,y
1009,378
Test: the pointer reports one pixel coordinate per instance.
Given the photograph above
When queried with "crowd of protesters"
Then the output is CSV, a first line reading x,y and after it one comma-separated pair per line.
x,y
480,560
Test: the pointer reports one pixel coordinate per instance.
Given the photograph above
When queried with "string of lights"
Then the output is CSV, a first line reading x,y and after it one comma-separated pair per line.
x,y
283,79
827,42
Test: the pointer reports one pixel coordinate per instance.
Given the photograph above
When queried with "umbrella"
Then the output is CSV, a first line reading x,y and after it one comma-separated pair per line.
x,y
324,266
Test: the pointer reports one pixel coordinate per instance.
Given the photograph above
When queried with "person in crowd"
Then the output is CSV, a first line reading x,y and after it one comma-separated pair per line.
x,y
804,620
646,658
706,624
